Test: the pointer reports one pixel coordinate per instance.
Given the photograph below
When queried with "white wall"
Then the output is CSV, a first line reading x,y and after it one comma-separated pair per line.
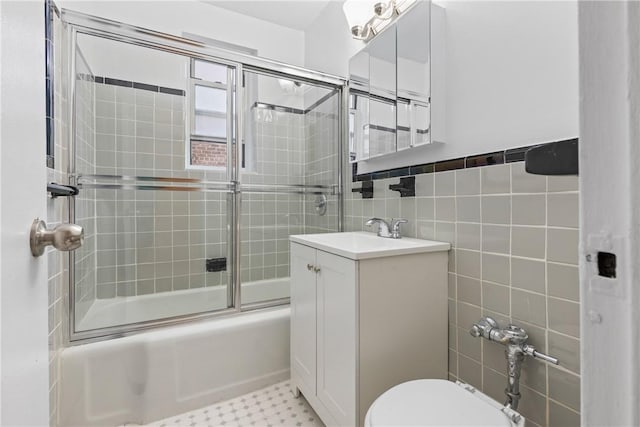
x,y
511,69
133,63
328,42
117,60
175,17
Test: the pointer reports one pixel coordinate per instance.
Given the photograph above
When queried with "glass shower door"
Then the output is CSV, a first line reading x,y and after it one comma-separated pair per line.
x,y
288,179
152,131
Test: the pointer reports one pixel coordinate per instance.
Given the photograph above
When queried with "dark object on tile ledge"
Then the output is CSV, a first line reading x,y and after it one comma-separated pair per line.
x,y
553,158
366,190
216,264
406,187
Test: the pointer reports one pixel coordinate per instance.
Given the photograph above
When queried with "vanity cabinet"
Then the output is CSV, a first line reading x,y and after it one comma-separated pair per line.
x,y
363,321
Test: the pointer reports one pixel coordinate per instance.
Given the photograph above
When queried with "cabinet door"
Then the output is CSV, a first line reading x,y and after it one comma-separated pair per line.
x,y
336,284
303,317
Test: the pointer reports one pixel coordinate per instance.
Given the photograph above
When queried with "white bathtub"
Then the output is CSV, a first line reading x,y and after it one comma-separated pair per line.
x,y
152,375
126,310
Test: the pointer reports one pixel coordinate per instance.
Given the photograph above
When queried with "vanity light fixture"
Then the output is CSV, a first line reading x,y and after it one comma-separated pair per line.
x,y
359,11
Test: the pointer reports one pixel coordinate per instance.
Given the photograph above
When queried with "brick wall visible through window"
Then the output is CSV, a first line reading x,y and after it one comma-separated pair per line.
x,y
204,153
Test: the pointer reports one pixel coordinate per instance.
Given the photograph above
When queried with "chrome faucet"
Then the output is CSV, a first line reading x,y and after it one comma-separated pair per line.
x,y
515,339
385,230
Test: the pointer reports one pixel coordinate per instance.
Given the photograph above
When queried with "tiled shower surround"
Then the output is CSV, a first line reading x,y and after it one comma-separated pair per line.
x,y
514,257
157,241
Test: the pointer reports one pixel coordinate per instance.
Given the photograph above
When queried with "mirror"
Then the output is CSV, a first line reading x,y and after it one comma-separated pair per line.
x,y
382,93
390,88
414,77
359,106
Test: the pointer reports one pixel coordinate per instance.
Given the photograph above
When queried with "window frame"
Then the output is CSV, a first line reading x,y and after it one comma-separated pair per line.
x,y
230,115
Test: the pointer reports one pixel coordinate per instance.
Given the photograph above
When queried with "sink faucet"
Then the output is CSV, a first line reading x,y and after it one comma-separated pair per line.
x,y
385,230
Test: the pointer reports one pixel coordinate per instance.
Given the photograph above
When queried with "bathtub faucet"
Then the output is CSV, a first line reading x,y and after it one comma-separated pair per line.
x,y
385,230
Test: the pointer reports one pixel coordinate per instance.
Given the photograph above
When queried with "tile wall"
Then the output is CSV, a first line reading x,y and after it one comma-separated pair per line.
x,y
278,141
322,127
151,241
514,257
157,241
85,206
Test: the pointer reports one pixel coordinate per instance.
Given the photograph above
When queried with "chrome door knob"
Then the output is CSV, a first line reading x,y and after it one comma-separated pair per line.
x,y
63,237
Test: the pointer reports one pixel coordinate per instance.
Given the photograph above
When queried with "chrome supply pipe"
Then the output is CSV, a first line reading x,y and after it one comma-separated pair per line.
x,y
515,340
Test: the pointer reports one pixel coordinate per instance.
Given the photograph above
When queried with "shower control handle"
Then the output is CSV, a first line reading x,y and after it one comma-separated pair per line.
x,y
63,237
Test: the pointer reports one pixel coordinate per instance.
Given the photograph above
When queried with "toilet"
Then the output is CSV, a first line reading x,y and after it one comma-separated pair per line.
x,y
435,402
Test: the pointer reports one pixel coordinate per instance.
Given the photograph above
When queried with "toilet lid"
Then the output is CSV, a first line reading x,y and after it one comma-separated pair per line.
x,y
434,403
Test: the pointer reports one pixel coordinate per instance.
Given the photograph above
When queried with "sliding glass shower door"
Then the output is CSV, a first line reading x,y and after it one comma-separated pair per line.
x,y
152,132
289,176
193,172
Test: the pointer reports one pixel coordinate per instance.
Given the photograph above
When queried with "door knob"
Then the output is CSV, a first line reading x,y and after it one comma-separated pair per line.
x,y
63,237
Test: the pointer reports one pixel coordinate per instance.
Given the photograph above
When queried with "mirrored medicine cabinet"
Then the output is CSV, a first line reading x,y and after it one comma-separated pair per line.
x,y
390,88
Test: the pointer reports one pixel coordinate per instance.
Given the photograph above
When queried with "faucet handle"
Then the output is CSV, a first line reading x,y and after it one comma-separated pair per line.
x,y
395,223
395,227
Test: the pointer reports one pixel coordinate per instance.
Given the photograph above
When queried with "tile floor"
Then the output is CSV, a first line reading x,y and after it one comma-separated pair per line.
x,y
269,407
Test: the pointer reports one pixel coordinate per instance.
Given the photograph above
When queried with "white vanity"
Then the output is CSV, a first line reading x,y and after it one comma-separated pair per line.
x,y
367,313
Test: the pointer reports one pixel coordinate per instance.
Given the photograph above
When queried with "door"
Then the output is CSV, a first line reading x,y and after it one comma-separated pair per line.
x,y
24,393
156,186
303,317
289,168
337,339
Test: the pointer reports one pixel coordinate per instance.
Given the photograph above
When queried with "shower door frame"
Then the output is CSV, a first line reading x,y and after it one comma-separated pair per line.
x,y
80,23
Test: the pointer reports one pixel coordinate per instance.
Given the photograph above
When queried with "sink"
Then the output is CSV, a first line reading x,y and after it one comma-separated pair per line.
x,y
363,245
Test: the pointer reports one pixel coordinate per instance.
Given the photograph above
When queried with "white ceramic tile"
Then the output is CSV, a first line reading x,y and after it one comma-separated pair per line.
x,y
271,406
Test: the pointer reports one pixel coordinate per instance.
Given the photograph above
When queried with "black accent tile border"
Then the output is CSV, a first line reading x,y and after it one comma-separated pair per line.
x,y
171,91
449,165
516,154
117,82
484,160
180,92
132,84
477,160
144,86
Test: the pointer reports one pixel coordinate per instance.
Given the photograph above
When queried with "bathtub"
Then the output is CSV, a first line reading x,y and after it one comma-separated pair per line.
x,y
127,310
153,375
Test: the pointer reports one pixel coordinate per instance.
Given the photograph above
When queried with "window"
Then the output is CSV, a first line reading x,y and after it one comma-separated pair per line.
x,y
207,148
211,92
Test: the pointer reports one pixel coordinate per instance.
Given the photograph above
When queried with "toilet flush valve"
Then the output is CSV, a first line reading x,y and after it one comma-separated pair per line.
x,y
515,340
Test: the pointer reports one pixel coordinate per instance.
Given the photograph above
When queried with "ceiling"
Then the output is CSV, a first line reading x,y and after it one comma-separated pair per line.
x,y
296,14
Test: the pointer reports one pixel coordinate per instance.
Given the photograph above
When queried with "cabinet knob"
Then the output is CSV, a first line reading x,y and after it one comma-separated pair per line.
x,y
316,269
309,267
